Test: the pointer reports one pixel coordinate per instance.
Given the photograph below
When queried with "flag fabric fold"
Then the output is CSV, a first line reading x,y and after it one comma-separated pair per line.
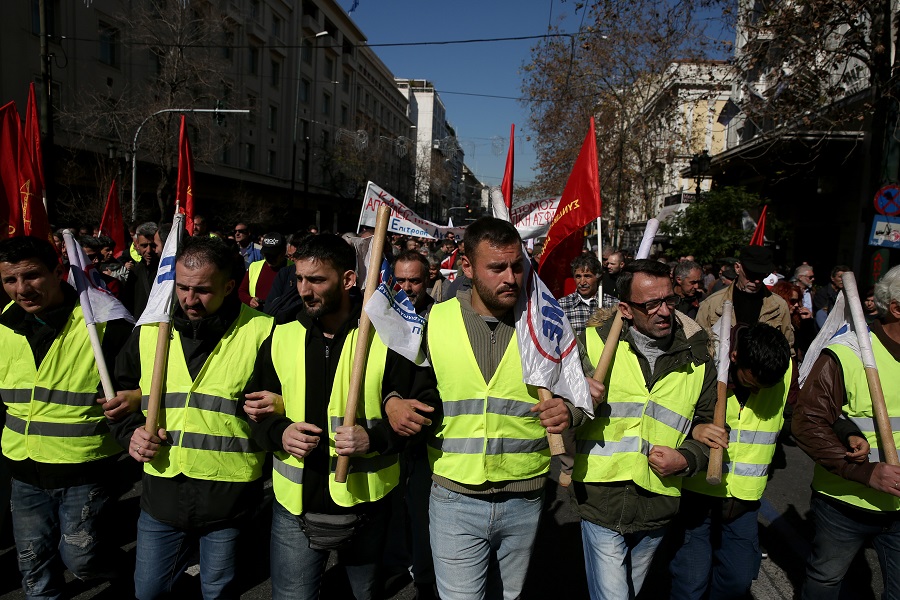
x,y
395,318
837,329
33,137
759,234
184,189
10,206
161,300
31,193
506,186
547,344
113,223
578,206
97,303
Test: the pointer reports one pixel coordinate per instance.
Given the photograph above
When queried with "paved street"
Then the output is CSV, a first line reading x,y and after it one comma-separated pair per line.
x,y
557,566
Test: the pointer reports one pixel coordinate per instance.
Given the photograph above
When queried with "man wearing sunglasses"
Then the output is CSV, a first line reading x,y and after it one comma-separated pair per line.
x,y
753,302
250,251
631,458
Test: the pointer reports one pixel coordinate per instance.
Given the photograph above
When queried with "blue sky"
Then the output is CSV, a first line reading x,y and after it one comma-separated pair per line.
x,y
478,68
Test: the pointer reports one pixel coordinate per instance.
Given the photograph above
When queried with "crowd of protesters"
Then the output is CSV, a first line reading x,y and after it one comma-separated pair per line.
x,y
263,342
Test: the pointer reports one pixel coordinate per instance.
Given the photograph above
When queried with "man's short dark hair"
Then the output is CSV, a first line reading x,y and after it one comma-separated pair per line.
x,y
413,256
148,229
587,262
107,242
197,252
496,232
89,241
764,351
839,269
684,268
644,265
327,247
17,249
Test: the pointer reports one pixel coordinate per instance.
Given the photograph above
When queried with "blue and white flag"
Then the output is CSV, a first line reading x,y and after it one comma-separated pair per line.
x,y
97,303
547,343
162,294
395,319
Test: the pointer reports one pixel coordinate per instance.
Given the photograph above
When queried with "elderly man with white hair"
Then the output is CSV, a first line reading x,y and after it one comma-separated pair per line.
x,y
855,501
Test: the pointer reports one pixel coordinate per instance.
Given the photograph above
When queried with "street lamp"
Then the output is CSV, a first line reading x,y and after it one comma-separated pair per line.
x,y
297,118
699,164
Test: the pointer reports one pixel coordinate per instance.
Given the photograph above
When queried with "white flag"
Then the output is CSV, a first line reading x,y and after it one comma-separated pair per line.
x,y
547,343
97,303
395,318
160,302
837,329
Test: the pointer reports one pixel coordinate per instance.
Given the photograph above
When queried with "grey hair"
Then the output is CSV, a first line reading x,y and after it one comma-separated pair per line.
x,y
886,290
148,229
801,270
684,268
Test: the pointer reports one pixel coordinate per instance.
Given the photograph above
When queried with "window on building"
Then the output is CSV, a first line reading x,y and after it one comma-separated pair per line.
x,y
276,26
345,115
251,104
326,103
301,169
225,157
326,139
345,83
329,68
306,51
304,129
275,80
228,46
273,118
304,90
109,45
52,16
253,60
270,163
255,10
249,156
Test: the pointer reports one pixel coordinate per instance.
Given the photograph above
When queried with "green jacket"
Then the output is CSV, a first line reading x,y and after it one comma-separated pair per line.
x,y
623,506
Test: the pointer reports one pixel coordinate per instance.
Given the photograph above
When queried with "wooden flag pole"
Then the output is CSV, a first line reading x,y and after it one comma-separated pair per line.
x,y
105,380
714,470
557,446
886,444
364,334
160,361
615,331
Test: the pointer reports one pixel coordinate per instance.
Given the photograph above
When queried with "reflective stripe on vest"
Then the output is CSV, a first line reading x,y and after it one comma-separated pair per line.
x,y
488,432
210,437
253,276
859,409
751,444
372,475
52,414
615,445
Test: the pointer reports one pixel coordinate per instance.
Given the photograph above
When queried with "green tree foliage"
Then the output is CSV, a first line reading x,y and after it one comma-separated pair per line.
x,y
712,228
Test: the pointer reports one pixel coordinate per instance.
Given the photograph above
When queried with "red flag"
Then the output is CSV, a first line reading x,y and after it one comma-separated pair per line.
x,y
507,186
31,194
450,261
184,194
578,206
10,208
759,234
112,223
33,137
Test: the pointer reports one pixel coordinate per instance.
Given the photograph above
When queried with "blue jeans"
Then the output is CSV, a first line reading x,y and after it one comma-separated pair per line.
x,y
841,531
482,544
163,552
729,549
617,563
55,529
297,569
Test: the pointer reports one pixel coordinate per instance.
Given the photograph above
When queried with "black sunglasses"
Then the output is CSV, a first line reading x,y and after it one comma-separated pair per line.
x,y
653,305
242,231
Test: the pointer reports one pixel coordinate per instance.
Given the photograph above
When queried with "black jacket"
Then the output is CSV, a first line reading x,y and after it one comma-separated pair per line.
x,y
401,378
40,332
182,501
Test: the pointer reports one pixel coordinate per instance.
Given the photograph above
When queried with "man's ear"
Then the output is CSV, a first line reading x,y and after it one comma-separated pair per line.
x,y
59,272
467,267
348,280
229,287
894,309
625,309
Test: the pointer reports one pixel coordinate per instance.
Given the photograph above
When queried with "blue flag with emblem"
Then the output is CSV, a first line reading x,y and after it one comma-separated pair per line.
x,y
395,318
162,295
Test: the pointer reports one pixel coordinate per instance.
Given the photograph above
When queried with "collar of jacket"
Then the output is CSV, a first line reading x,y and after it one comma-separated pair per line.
x,y
210,327
20,321
465,303
689,341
